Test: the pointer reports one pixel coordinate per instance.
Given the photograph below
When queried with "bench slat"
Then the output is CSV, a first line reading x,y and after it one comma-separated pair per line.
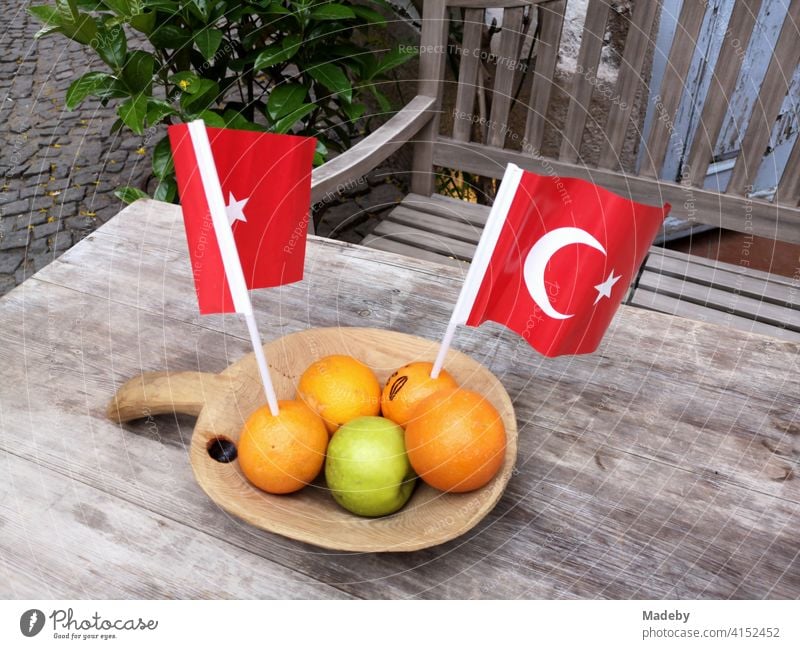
x,y
449,208
723,84
672,86
722,277
443,228
628,82
667,304
542,81
426,240
505,72
722,301
711,263
387,245
781,68
468,74
588,60
789,185
433,37
439,225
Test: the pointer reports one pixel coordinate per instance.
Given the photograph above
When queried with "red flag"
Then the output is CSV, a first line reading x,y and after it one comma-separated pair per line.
x,y
558,260
266,184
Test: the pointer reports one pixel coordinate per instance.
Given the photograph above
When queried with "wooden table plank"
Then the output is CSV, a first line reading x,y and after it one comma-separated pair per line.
x,y
662,466
65,539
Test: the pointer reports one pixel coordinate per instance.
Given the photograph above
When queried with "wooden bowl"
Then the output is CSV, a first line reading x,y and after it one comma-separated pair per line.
x,y
223,401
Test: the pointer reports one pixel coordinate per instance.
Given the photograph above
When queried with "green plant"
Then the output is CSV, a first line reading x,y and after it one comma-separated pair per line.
x,y
287,66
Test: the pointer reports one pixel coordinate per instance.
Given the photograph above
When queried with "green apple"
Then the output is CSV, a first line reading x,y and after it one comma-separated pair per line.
x,y
367,468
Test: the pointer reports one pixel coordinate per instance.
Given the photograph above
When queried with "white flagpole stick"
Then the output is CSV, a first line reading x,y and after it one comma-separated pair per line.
x,y
480,262
227,247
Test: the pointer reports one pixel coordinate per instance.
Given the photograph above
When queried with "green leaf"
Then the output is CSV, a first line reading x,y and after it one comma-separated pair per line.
x,y
184,80
332,12
390,60
284,99
278,52
333,79
353,111
166,191
320,153
138,71
170,37
133,113
212,119
112,46
372,17
202,8
46,14
383,100
129,195
284,124
122,8
208,41
68,11
200,95
82,31
144,22
91,83
157,110
162,159
234,119
46,31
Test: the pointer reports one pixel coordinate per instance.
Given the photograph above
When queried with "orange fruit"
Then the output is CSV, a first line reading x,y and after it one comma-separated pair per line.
x,y
407,387
456,440
284,453
340,388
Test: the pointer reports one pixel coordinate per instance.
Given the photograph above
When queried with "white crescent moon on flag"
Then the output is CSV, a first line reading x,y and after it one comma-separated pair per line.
x,y
538,258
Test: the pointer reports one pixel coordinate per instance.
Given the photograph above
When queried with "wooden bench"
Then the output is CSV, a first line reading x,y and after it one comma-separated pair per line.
x,y
431,226
447,230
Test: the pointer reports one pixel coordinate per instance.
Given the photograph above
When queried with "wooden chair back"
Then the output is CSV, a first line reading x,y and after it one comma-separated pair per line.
x,y
484,145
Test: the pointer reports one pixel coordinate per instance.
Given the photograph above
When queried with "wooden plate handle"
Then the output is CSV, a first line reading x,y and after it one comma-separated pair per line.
x,y
158,393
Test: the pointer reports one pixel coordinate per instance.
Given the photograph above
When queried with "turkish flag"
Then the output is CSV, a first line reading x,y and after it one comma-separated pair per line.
x,y
266,184
558,260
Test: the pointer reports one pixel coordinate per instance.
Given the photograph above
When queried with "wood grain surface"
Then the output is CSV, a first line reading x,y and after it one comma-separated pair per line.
x,y
662,466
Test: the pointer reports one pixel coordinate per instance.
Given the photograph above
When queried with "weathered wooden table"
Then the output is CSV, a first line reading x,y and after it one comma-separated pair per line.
x,y
664,465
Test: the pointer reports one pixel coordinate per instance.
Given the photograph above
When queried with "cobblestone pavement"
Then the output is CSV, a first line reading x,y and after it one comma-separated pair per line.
x,y
59,168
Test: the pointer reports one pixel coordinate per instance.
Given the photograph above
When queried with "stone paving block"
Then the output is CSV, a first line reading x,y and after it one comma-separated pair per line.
x,y
17,207
17,239
9,196
46,229
80,223
71,194
7,282
30,218
60,242
41,202
37,245
40,261
23,273
10,261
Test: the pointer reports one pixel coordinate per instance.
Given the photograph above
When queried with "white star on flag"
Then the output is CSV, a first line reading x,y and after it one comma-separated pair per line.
x,y
604,289
235,209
